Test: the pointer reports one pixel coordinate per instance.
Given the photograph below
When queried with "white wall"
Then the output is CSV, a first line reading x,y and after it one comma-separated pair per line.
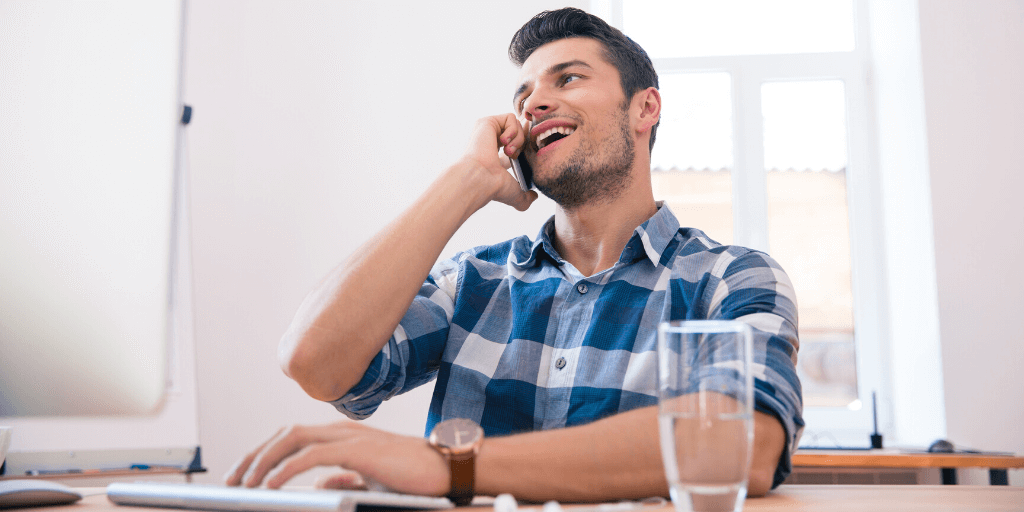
x,y
314,124
912,412
973,68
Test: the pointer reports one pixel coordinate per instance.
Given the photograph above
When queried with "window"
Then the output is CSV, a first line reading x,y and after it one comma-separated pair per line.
x,y
764,143
805,159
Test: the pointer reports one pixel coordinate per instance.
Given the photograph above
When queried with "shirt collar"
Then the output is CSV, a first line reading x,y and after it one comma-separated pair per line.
x,y
526,254
649,239
656,233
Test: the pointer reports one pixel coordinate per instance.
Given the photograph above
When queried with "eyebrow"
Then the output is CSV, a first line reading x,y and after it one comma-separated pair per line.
x,y
557,68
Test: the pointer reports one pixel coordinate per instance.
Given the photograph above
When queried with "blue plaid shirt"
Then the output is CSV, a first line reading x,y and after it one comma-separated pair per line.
x,y
519,340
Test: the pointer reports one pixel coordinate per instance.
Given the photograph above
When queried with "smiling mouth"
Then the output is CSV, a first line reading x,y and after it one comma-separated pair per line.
x,y
553,134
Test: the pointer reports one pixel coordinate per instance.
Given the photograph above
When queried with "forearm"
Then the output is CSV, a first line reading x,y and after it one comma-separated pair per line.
x,y
348,318
346,321
611,459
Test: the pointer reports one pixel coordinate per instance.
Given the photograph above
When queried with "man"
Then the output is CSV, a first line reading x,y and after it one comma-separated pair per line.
x,y
546,344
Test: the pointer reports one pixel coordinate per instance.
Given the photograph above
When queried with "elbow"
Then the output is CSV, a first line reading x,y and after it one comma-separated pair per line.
x,y
293,355
760,481
769,445
308,368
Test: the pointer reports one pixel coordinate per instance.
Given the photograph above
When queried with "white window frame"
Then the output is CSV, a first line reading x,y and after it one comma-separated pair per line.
x,y
876,351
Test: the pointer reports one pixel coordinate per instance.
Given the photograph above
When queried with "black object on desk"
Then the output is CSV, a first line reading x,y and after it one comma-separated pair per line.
x,y
943,446
876,438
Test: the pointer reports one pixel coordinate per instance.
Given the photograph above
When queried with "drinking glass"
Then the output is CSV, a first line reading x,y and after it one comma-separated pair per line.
x,y
706,412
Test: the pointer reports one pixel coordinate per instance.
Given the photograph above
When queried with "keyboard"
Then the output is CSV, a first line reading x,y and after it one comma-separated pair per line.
x,y
232,499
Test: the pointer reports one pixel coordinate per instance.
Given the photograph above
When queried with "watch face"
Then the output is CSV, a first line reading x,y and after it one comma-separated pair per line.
x,y
457,433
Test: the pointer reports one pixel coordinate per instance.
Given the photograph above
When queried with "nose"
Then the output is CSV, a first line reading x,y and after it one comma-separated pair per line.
x,y
539,104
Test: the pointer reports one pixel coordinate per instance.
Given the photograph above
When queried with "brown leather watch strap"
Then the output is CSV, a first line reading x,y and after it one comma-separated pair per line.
x,y
458,440
463,476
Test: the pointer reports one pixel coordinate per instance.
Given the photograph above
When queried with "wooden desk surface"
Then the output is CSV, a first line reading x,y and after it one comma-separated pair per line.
x,y
896,459
791,498
908,498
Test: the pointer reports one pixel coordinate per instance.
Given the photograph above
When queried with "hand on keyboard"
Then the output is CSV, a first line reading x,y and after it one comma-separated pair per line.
x,y
401,463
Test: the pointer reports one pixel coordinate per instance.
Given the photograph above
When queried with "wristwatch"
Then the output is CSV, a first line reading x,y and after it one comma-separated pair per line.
x,y
458,441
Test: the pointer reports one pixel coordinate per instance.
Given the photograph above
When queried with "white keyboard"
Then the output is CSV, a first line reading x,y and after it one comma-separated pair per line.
x,y
239,499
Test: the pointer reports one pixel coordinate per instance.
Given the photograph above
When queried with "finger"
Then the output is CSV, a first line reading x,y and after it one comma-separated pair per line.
x,y
234,475
506,161
286,443
341,480
515,146
508,126
511,135
264,458
521,138
321,454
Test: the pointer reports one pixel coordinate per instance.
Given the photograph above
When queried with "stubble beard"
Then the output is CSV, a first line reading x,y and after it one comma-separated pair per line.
x,y
595,173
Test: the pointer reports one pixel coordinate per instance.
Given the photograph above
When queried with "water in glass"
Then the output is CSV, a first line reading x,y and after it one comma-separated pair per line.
x,y
701,475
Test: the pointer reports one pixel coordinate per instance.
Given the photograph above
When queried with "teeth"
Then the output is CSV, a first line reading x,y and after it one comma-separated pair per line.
x,y
564,130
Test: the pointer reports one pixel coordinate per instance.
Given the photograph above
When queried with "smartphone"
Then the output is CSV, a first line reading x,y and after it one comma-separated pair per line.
x,y
524,174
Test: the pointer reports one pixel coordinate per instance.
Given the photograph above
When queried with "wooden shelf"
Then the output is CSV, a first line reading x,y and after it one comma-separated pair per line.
x,y
887,458
100,473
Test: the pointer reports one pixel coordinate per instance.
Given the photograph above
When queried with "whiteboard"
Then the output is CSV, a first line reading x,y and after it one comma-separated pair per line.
x,y
91,97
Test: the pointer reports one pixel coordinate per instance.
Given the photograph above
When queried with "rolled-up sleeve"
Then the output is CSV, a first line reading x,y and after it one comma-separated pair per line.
x,y
755,290
413,354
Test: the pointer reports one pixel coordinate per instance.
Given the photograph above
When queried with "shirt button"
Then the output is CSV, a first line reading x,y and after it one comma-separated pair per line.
x,y
560,363
582,287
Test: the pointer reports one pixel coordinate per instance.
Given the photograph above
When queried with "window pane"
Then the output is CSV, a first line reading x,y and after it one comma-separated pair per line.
x,y
700,199
696,122
808,228
695,28
693,151
804,125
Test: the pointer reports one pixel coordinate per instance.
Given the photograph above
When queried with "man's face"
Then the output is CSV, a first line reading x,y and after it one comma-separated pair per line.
x,y
580,142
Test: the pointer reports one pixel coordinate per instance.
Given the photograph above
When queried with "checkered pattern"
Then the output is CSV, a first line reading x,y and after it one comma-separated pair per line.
x,y
519,340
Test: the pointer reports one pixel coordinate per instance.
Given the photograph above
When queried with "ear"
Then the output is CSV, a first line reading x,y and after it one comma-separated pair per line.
x,y
647,104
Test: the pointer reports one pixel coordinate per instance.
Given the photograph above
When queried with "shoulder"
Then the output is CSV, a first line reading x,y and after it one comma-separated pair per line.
x,y
496,253
694,249
699,259
483,259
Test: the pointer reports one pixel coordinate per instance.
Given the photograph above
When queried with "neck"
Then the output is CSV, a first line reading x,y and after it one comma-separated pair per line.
x,y
592,236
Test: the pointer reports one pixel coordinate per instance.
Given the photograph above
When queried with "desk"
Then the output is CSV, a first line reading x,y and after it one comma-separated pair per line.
x,y
908,498
791,498
888,458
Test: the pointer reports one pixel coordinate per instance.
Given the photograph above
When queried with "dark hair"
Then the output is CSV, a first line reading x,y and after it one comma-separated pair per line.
x,y
636,71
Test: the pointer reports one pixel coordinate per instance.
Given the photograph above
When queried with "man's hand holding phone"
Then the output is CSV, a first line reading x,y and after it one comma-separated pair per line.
x,y
494,143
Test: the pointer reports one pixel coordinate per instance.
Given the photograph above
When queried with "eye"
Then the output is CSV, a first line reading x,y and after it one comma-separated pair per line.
x,y
519,103
571,77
